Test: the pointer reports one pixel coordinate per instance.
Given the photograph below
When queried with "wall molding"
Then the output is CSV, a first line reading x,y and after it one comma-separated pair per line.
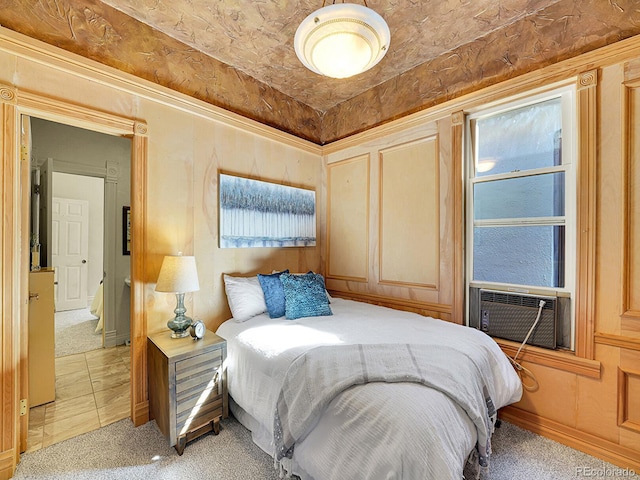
x,y
629,212
624,403
436,310
7,94
588,79
73,168
28,48
386,157
110,338
586,225
12,283
572,437
346,278
558,72
7,463
141,128
621,341
399,283
364,278
112,172
457,188
558,360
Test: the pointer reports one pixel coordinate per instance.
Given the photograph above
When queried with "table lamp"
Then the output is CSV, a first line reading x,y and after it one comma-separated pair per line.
x,y
178,275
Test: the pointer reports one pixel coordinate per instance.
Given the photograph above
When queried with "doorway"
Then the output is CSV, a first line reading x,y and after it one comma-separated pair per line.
x,y
77,232
85,169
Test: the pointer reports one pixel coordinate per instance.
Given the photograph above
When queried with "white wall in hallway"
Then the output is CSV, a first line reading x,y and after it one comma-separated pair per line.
x,y
91,189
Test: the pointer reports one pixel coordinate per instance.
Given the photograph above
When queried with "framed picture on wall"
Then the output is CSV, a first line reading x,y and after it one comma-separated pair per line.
x,y
254,213
126,230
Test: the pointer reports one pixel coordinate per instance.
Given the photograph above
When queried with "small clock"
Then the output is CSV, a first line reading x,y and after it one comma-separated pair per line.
x,y
197,329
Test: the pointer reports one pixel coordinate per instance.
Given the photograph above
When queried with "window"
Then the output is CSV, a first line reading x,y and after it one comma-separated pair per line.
x,y
521,197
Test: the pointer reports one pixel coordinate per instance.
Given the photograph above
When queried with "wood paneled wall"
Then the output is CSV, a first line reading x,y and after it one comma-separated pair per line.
x,y
589,399
390,235
409,245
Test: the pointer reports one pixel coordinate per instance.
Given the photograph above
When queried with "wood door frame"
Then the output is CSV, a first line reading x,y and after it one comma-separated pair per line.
x,y
14,247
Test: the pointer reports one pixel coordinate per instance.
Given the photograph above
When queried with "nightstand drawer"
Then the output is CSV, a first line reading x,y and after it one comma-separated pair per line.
x,y
198,372
190,417
211,358
198,392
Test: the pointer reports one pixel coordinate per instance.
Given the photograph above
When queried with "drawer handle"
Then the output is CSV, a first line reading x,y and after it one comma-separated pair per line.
x,y
217,381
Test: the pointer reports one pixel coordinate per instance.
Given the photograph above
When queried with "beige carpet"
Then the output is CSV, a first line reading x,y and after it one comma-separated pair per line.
x,y
122,452
75,332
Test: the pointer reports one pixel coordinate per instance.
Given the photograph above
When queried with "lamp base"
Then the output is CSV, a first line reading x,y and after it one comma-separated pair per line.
x,y
182,334
180,324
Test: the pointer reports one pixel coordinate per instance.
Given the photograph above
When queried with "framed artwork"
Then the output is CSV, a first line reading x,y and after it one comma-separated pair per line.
x,y
126,230
254,213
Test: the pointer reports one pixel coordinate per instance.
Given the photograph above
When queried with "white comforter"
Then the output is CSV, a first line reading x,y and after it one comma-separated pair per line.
x,y
373,431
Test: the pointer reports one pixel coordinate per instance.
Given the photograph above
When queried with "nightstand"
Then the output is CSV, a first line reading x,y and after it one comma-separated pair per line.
x,y
187,385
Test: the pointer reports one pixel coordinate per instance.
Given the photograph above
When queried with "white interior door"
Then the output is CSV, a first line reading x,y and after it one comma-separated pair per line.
x,y
69,252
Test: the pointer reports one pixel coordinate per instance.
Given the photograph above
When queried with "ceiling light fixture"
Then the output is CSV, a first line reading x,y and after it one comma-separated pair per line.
x,y
342,40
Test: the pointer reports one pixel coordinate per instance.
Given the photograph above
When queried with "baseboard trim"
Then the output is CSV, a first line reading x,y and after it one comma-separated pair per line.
x,y
140,413
7,464
110,339
585,442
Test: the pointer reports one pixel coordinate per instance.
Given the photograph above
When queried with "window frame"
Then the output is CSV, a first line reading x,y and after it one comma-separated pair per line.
x,y
568,165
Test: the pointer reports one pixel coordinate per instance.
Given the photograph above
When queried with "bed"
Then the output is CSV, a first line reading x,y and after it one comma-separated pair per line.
x,y
367,392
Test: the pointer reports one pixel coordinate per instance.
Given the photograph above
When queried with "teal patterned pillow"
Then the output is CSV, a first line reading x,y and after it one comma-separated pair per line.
x,y
305,295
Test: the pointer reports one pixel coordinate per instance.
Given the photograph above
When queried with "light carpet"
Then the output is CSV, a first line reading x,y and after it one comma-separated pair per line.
x,y
122,452
75,332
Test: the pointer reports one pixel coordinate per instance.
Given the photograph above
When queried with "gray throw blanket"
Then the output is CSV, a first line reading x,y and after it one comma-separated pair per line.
x,y
317,376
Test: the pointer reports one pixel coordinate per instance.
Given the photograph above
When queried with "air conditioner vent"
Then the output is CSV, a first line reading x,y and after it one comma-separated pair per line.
x,y
511,315
517,299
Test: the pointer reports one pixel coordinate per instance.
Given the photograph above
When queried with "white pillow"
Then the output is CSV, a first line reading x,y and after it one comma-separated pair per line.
x,y
245,297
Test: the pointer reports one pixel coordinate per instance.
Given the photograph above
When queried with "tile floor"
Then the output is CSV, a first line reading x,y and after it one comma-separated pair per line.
x,y
92,390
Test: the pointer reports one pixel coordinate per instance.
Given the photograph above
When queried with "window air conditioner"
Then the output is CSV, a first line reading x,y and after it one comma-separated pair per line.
x,y
511,315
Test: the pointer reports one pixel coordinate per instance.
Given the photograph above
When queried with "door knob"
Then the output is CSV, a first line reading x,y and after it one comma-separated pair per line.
x,y
34,296
84,261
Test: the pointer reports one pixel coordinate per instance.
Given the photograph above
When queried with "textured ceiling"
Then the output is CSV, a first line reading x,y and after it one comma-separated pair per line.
x,y
239,55
257,36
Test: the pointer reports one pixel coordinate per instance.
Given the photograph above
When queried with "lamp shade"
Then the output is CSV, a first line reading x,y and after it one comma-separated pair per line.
x,y
342,40
178,274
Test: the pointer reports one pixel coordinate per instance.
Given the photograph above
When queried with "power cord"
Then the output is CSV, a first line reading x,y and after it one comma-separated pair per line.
x,y
519,368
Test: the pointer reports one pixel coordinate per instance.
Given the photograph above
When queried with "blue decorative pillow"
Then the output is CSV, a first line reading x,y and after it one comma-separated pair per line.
x,y
273,293
305,295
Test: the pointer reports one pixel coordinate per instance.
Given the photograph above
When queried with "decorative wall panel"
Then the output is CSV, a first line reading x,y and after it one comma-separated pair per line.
x,y
629,399
348,220
631,300
409,214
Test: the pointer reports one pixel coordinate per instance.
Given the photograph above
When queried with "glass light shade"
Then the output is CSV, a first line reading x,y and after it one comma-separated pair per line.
x,y
342,40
